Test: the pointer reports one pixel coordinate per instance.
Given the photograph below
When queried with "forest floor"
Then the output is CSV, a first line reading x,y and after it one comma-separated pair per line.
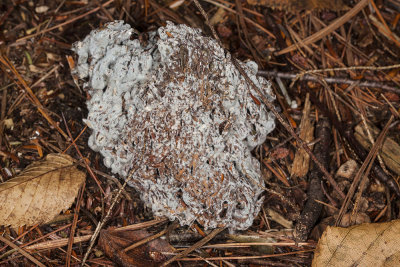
x,y
334,68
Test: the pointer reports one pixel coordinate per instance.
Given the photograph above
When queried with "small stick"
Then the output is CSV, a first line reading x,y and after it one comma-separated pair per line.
x,y
64,23
22,251
195,246
153,237
312,208
307,77
346,132
105,219
327,30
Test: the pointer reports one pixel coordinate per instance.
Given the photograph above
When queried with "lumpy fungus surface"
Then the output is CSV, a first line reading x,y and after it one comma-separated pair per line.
x,y
173,107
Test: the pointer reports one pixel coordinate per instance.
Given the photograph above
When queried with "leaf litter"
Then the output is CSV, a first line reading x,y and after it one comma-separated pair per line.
x,y
40,192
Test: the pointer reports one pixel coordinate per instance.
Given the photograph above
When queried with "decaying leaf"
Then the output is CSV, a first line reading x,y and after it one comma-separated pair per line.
x,y
149,254
255,239
370,244
40,192
390,151
293,5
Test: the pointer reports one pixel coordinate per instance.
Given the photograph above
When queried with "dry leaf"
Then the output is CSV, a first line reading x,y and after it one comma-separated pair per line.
x,y
390,151
373,244
40,192
301,162
147,255
255,238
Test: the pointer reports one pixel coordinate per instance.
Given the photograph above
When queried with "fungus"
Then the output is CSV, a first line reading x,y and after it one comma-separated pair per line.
x,y
174,107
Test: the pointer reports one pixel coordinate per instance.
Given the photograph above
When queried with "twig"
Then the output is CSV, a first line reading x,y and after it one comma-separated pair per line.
x,y
346,132
18,238
77,207
77,239
246,257
195,246
22,251
105,11
249,244
382,26
83,159
327,30
7,63
307,77
153,237
270,34
312,209
58,243
108,214
363,172
73,226
395,66
141,225
44,77
65,23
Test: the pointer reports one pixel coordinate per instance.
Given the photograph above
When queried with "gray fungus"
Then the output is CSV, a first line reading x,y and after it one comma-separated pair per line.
x,y
173,107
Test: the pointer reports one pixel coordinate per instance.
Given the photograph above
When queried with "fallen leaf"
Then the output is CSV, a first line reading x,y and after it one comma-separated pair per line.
x,y
370,244
149,254
255,239
40,192
390,151
349,219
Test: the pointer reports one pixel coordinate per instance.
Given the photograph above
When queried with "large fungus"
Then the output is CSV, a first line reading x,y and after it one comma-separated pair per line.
x,y
173,107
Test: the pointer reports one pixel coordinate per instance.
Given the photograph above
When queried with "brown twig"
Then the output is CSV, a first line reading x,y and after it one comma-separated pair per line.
x,y
270,34
355,146
73,226
108,214
246,257
199,244
327,30
64,23
153,237
361,83
77,207
22,251
7,64
312,208
83,159
364,171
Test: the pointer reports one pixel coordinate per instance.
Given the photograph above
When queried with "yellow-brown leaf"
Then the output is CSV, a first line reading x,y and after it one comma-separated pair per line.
x,y
40,192
369,244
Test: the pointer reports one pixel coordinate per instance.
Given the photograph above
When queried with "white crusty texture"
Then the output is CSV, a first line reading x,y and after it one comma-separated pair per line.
x,y
175,108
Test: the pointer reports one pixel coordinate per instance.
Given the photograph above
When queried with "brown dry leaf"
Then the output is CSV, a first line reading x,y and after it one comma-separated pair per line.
x,y
370,244
40,192
390,151
293,5
149,254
